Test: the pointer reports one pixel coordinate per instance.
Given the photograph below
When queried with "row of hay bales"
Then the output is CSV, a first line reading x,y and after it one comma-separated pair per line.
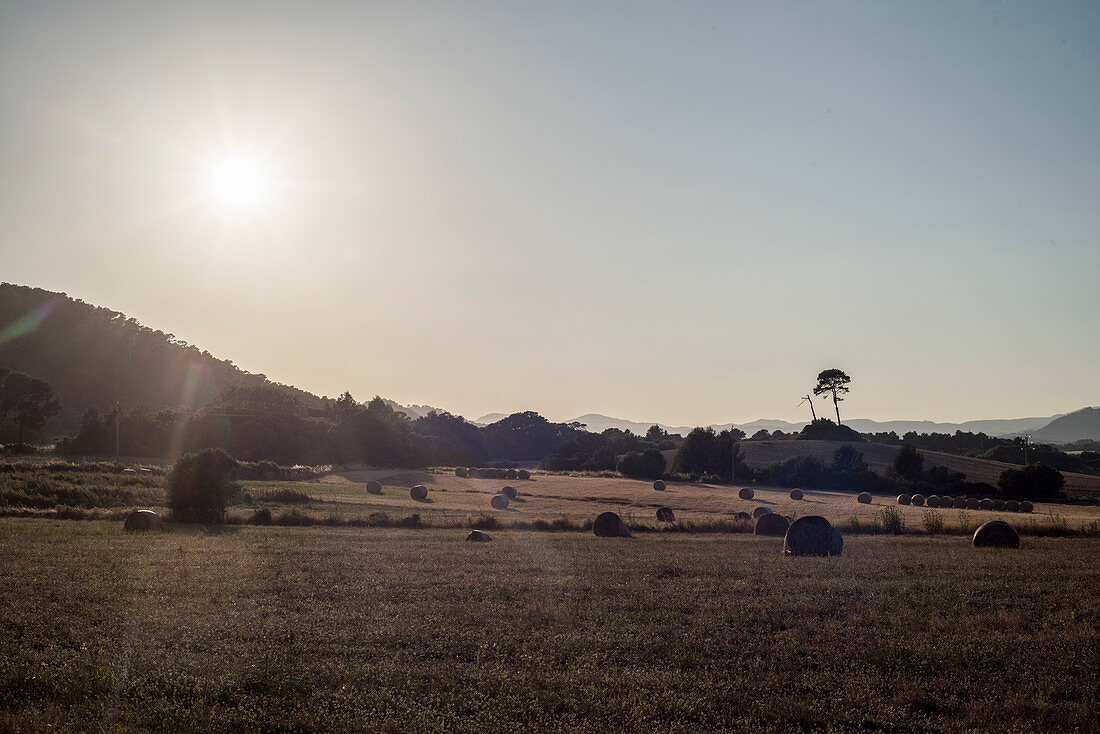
x,y
966,503
491,473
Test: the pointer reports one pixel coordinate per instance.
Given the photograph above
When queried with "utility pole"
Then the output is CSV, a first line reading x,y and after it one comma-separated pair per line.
x,y
116,431
1027,440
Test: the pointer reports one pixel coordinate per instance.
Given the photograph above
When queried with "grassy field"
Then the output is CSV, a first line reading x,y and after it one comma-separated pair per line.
x,y
560,501
579,498
344,629
880,456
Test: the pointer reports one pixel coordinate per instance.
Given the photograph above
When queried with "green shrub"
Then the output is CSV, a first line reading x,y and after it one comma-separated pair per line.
x,y
649,464
891,520
200,485
1036,480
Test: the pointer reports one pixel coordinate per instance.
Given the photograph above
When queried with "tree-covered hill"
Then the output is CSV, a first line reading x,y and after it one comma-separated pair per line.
x,y
95,357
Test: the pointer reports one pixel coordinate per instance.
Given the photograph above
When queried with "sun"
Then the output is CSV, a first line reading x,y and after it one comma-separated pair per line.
x,y
239,182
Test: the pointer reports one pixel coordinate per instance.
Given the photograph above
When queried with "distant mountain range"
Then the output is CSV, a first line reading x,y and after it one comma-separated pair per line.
x,y
94,356
1060,428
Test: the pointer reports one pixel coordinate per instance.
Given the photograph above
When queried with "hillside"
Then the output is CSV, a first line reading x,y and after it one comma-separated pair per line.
x,y
880,456
94,356
1081,424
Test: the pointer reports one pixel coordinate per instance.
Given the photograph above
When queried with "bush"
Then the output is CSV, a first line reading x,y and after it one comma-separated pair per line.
x,y
1036,480
891,520
908,464
649,464
824,429
200,485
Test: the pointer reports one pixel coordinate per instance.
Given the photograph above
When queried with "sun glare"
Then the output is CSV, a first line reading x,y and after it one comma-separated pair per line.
x,y
239,182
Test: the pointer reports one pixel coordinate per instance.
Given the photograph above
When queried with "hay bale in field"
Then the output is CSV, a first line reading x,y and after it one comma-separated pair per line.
x,y
610,525
946,501
745,493
419,492
996,534
932,500
999,504
665,514
374,487
812,536
742,516
959,503
985,504
498,474
796,494
904,499
760,511
523,474
484,473
659,485
771,524
973,503
917,500
863,498
140,520
499,502
478,536
1026,506
509,491
510,474
461,471
1012,506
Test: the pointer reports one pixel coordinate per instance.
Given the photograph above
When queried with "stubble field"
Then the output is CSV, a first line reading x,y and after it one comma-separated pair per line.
x,y
344,629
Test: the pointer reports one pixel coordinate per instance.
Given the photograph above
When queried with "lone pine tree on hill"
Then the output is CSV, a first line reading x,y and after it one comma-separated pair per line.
x,y
836,382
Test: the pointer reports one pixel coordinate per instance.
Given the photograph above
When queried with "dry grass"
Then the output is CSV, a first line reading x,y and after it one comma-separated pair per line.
x,y
880,456
576,498
321,629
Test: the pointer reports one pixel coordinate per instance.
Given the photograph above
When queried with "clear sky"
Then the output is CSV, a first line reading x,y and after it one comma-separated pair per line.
x,y
658,211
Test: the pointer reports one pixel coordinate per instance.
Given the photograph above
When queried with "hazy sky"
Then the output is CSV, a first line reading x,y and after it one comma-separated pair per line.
x,y
659,211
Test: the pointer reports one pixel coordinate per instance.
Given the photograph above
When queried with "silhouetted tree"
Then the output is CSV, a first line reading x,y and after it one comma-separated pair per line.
x,y
835,382
847,458
649,464
1035,480
908,464
28,400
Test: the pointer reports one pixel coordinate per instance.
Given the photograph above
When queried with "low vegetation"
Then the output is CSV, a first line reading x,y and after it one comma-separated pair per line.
x,y
346,629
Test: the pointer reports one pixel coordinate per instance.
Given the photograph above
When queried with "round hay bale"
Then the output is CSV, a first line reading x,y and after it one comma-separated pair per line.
x,y
863,498
946,501
959,503
932,501
610,525
996,534
374,487
985,504
999,504
478,536
742,516
771,524
509,491
483,473
499,502
812,536
796,494
760,511
523,474
419,492
461,471
510,474
659,485
1012,506
904,499
972,503
1026,506
498,474
917,500
140,520
745,493
665,514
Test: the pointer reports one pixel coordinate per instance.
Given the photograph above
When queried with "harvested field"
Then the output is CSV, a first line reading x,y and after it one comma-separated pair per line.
x,y
880,456
341,629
